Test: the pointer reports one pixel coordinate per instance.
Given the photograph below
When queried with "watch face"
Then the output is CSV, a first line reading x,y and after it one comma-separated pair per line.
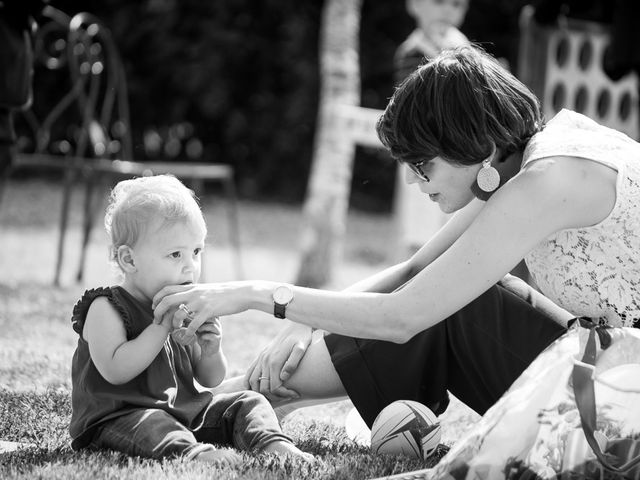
x,y
282,295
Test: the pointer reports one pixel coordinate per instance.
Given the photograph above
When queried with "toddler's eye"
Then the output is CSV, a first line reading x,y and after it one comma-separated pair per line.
x,y
197,251
175,255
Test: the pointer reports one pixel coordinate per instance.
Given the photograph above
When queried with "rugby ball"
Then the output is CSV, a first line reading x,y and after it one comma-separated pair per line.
x,y
407,428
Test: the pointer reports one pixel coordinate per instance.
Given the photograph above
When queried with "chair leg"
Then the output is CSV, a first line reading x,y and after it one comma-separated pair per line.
x,y
234,225
91,204
4,180
5,167
69,177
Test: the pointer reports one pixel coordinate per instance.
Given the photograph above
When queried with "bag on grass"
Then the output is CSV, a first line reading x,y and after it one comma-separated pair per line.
x,y
573,413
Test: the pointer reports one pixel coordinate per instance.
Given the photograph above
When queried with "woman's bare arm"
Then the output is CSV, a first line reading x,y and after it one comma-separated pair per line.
x,y
550,196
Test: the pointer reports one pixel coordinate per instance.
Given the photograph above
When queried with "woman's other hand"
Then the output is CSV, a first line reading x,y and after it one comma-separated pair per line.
x,y
278,361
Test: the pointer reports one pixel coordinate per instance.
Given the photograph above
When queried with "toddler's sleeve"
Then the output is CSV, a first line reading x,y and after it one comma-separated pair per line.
x,y
81,308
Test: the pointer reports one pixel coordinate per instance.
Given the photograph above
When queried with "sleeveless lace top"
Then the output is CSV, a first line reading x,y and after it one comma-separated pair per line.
x,y
593,271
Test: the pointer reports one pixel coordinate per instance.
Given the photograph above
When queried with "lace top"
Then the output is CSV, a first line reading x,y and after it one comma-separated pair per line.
x,y
593,271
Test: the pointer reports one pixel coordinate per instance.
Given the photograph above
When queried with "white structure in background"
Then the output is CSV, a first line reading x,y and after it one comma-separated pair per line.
x,y
562,64
417,217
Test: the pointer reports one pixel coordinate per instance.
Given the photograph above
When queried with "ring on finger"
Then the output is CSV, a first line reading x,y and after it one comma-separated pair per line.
x,y
263,378
186,310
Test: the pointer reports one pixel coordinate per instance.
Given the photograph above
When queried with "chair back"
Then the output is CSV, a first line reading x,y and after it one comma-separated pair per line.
x,y
39,125
563,65
76,56
97,72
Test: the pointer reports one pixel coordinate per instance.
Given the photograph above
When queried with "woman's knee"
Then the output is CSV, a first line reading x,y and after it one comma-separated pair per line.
x,y
316,376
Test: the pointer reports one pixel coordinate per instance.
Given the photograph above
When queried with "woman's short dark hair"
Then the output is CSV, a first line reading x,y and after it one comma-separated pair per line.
x,y
456,106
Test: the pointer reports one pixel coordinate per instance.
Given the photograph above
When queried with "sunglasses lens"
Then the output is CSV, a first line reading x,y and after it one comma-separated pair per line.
x,y
415,168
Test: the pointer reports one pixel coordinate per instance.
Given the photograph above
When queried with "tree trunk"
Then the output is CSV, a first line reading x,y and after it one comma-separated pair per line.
x,y
327,199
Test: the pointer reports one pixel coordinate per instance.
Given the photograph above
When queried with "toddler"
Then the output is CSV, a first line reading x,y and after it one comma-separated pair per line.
x,y
133,380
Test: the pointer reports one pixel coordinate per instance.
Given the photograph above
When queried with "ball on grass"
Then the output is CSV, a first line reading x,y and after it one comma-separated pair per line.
x,y
406,427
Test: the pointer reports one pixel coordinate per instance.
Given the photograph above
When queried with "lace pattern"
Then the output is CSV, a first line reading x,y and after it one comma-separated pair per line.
x,y
594,271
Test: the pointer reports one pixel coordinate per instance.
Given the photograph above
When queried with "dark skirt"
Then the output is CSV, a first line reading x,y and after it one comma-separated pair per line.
x,y
476,354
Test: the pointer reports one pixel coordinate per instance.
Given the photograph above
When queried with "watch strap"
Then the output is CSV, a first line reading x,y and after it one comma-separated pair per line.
x,y
279,310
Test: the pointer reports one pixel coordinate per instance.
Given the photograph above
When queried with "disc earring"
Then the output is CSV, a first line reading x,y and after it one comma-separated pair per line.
x,y
488,177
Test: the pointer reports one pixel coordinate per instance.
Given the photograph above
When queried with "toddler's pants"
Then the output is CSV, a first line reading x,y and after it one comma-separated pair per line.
x,y
244,420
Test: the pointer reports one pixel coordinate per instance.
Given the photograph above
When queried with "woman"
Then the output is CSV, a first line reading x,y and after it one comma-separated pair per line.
x,y
565,196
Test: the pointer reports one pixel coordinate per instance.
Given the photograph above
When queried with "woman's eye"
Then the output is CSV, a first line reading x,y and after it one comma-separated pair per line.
x,y
197,251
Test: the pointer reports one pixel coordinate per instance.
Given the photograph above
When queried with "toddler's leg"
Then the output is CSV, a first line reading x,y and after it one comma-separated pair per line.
x,y
247,421
152,433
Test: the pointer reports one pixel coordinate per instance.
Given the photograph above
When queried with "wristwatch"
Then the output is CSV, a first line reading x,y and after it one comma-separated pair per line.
x,y
282,296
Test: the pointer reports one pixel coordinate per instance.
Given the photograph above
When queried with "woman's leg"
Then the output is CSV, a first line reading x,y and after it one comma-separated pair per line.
x,y
316,376
315,379
476,354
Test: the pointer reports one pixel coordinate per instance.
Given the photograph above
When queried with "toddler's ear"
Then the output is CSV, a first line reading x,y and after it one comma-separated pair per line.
x,y
125,259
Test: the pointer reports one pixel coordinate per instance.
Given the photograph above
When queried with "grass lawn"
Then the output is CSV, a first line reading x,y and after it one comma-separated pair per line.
x,y
37,341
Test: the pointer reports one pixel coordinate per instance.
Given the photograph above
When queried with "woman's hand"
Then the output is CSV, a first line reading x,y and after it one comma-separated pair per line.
x,y
201,302
278,361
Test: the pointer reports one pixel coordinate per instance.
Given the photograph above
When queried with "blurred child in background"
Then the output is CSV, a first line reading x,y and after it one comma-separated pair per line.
x,y
437,29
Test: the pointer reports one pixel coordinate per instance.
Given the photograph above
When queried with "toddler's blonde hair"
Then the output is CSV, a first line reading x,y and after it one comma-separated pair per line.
x,y
135,203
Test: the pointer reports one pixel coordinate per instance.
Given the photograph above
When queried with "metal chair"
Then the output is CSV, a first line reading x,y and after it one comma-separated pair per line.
x,y
96,147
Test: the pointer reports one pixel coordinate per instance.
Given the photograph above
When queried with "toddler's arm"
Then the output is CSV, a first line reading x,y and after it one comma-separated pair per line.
x,y
117,359
209,361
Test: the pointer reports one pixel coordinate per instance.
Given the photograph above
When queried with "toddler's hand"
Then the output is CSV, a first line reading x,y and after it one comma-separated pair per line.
x,y
166,321
209,336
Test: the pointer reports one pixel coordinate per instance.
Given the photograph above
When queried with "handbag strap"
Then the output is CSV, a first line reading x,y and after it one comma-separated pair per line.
x,y
583,385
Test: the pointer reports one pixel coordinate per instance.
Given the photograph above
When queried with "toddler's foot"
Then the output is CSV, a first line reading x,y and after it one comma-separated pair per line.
x,y
289,448
221,456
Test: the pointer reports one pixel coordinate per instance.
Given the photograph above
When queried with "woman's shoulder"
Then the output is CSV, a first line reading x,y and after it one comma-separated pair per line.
x,y
565,173
577,193
571,134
